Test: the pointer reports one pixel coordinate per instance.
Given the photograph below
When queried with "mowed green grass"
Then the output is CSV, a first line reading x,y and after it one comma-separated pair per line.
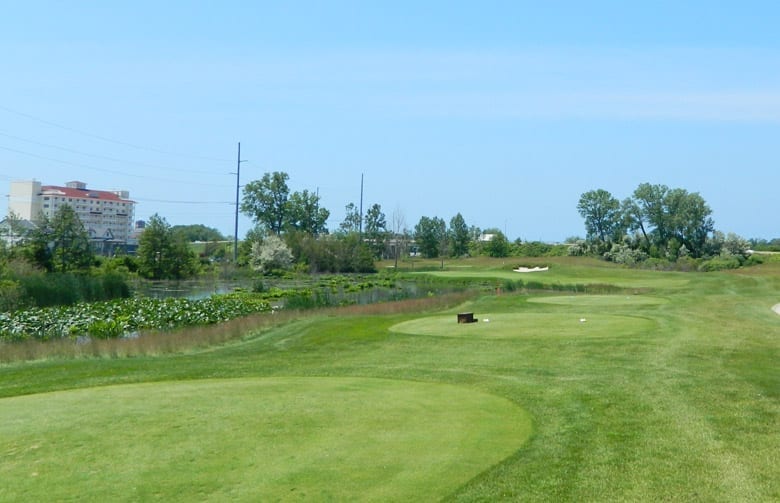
x,y
562,271
501,325
253,438
676,398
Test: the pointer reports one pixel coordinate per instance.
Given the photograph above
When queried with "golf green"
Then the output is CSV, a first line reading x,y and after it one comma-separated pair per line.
x,y
584,323
313,438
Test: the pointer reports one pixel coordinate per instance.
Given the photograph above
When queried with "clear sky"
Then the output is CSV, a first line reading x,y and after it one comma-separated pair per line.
x,y
504,111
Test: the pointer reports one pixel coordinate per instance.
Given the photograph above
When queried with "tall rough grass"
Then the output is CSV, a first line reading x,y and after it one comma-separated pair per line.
x,y
58,289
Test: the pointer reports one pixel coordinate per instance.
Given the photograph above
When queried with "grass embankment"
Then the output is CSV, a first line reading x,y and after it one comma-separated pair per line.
x,y
668,393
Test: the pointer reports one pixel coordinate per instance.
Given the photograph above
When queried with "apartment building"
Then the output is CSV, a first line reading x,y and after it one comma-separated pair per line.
x,y
107,215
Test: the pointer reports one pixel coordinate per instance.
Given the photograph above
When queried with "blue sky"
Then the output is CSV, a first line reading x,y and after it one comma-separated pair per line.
x,y
503,111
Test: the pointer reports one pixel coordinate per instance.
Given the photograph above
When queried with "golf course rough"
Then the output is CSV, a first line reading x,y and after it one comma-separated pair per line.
x,y
254,439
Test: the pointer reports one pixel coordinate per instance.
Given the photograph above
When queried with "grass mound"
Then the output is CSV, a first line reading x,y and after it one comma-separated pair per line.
x,y
527,325
253,439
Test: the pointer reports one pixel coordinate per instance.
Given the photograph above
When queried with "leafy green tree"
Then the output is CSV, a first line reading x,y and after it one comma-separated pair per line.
x,y
670,219
14,231
61,244
352,255
253,235
633,219
459,236
649,199
351,221
162,254
198,232
429,234
303,214
498,246
340,253
603,218
265,201
375,230
689,220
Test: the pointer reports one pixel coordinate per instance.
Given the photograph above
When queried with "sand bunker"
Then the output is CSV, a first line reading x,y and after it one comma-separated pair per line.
x,y
531,269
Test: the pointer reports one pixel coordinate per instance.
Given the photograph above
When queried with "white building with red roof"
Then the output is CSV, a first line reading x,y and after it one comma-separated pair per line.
x,y
107,215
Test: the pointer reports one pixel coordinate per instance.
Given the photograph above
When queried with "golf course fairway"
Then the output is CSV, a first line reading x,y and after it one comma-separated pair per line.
x,y
527,325
261,439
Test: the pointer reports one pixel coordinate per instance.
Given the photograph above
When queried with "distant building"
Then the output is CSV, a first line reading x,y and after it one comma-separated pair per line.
x,y
107,215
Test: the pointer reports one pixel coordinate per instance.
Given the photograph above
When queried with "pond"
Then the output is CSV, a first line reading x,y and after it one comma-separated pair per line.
x,y
188,289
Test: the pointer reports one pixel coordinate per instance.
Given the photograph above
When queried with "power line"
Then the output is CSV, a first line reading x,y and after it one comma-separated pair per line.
x,y
109,140
105,170
97,156
180,202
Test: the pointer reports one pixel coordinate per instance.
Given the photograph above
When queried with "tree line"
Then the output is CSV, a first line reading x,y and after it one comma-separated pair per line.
x,y
291,230
655,222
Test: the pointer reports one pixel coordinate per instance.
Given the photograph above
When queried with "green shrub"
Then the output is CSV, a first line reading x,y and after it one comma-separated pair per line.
x,y
11,295
106,329
720,263
623,254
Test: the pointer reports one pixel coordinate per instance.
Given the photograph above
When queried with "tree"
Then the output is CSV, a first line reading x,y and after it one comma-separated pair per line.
x,y
650,201
270,255
61,244
375,230
198,232
633,219
162,254
303,214
670,222
253,235
429,234
689,220
351,221
734,244
353,255
459,236
400,234
13,230
265,201
602,215
675,218
498,246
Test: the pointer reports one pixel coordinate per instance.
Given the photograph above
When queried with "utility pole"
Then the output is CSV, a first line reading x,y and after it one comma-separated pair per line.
x,y
235,229
360,227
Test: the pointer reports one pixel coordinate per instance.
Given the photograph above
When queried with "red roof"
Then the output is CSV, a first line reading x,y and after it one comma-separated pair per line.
x,y
102,195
